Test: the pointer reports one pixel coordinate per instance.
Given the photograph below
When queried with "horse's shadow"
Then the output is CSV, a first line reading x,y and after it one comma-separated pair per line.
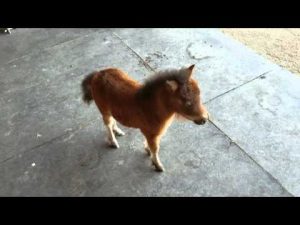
x,y
131,150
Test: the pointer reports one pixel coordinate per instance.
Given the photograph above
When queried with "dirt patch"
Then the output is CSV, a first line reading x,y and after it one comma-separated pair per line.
x,y
281,46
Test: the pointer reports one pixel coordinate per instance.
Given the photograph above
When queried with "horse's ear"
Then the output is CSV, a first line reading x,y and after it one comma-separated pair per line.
x,y
190,70
172,84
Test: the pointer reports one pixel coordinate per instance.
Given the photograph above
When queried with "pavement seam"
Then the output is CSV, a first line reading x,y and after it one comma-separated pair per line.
x,y
230,139
241,85
143,61
74,39
80,127
149,67
61,43
250,157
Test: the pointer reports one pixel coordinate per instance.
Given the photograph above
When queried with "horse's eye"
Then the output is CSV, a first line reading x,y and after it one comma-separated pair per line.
x,y
188,103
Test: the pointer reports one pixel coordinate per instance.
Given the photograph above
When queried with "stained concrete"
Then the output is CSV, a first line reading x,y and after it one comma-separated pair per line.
x,y
53,145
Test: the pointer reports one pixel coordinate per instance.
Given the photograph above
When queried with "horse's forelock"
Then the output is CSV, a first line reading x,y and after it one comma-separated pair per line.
x,y
160,77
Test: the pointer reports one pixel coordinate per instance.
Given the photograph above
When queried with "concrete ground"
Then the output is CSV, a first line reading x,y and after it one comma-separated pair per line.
x,y
53,145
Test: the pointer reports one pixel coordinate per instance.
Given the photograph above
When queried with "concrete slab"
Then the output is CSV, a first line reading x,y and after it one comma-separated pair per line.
x,y
25,41
263,117
41,96
200,161
222,63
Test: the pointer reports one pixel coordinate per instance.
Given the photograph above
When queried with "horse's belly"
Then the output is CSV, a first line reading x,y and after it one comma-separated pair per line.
x,y
126,119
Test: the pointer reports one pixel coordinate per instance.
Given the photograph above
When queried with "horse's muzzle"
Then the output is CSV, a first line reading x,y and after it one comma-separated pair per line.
x,y
200,122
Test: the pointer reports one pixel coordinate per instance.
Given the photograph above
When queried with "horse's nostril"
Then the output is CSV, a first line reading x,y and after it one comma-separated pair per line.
x,y
200,122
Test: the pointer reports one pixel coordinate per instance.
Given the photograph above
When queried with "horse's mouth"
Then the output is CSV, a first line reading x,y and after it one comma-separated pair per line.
x,y
197,121
200,122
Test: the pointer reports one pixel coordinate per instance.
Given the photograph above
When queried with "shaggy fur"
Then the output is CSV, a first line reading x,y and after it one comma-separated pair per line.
x,y
160,78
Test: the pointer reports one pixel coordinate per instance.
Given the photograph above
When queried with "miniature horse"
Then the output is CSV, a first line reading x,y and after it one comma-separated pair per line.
x,y
149,107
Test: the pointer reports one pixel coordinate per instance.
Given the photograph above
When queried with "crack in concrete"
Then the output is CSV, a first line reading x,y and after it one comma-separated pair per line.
x,y
147,66
68,132
241,85
45,48
252,159
231,141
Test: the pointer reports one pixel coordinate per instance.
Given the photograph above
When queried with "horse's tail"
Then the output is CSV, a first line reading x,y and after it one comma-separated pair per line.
x,y
86,88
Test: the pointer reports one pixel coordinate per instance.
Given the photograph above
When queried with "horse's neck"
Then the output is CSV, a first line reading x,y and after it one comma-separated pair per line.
x,y
159,107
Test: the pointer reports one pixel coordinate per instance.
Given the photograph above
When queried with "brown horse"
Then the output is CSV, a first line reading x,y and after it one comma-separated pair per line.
x,y
149,107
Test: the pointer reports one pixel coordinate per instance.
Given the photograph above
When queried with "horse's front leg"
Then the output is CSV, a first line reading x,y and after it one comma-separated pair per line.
x,y
153,145
117,130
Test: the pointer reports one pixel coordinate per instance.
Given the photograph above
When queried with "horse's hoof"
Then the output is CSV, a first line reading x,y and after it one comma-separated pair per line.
x,y
158,168
119,133
148,152
113,145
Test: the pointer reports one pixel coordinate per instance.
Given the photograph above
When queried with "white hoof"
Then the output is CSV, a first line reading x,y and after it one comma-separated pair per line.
x,y
112,144
119,132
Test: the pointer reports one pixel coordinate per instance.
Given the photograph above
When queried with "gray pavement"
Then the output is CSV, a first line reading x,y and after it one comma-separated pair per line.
x,y
51,144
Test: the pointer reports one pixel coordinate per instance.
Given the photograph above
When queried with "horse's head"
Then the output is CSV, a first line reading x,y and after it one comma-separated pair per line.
x,y
186,97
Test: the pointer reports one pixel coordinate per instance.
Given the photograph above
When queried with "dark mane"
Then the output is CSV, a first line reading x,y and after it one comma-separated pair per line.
x,y
159,78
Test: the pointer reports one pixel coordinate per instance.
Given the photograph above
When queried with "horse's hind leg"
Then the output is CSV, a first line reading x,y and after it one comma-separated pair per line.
x,y
108,120
116,129
109,123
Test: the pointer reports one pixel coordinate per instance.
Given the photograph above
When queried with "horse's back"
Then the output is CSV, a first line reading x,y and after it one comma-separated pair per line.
x,y
114,81
113,89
